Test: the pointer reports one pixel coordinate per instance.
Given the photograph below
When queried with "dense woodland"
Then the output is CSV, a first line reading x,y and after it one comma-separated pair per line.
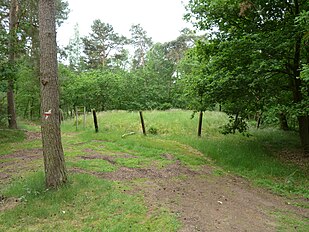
x,y
251,61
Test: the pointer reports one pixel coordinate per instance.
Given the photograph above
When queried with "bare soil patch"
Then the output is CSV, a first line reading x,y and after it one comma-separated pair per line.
x,y
203,201
208,203
30,135
296,157
109,158
18,162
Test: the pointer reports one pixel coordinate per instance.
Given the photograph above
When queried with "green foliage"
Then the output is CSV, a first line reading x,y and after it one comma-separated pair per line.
x,y
101,44
152,130
74,51
27,90
235,124
20,46
251,60
141,43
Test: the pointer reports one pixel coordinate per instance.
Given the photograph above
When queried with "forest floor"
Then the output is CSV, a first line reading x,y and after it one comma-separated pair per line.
x,y
203,197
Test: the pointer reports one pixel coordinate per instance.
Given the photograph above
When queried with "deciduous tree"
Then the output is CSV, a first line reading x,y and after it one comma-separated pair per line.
x,y
260,51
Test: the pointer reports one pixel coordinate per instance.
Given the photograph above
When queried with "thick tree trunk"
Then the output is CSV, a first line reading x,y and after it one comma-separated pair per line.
x,y
55,171
12,54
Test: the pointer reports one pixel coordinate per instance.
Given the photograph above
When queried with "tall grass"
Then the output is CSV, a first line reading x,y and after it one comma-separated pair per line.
x,y
251,157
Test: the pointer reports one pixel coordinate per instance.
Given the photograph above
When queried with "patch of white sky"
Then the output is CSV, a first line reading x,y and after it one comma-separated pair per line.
x,y
162,19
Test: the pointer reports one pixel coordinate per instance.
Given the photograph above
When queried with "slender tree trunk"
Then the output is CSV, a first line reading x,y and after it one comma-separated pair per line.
x,y
259,120
199,130
55,170
31,109
142,122
12,55
95,121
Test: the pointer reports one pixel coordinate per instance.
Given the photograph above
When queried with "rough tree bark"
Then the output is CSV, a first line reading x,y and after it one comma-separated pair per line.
x,y
54,164
12,55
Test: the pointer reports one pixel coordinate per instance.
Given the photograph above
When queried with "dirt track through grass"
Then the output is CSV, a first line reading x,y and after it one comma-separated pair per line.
x,y
202,197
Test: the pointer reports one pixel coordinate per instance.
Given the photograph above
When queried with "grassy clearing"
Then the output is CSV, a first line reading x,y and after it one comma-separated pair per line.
x,y
88,203
251,157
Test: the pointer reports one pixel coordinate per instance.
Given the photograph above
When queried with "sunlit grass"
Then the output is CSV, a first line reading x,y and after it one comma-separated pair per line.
x,y
86,203
7,148
89,203
251,157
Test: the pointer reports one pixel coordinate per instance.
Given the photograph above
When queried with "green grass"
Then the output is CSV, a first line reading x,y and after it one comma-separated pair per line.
x,y
288,221
96,165
88,203
11,136
7,148
29,125
251,157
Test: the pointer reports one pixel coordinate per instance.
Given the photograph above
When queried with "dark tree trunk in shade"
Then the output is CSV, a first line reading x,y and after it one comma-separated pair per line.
x,y
142,122
95,121
12,55
283,121
54,164
199,131
303,123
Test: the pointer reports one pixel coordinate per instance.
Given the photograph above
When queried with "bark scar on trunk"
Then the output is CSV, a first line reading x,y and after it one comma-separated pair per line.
x,y
44,81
